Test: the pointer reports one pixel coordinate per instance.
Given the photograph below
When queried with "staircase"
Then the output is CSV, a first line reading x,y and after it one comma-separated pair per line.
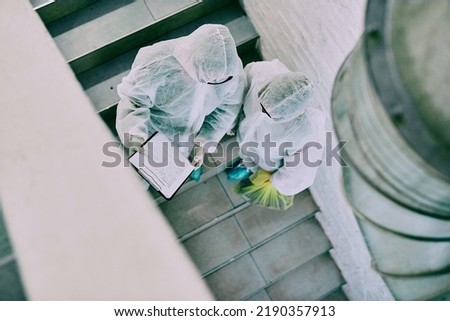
x,y
243,252
248,253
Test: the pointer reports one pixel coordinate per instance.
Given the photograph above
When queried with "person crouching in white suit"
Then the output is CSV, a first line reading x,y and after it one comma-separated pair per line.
x,y
281,136
189,86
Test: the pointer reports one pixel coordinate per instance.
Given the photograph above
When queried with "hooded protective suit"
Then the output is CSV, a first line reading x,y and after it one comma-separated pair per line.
x,y
294,123
167,88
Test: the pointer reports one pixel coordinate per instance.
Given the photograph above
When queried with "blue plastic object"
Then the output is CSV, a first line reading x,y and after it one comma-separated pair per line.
x,y
238,173
196,174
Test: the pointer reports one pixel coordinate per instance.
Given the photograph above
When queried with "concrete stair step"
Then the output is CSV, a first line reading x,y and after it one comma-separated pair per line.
x,y
311,281
100,83
51,10
336,295
212,253
200,208
107,29
291,249
273,267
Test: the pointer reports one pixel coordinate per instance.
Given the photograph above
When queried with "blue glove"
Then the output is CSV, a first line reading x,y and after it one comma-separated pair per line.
x,y
196,174
238,173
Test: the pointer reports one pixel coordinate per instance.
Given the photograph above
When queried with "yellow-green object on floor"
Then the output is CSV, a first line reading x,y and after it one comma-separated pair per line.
x,y
258,190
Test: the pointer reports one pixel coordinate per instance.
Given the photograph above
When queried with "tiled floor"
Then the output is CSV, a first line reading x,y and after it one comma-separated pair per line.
x,y
236,280
217,245
251,253
196,206
310,281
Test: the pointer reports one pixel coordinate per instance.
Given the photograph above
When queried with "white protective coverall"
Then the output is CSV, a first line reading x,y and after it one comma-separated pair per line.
x,y
167,88
285,96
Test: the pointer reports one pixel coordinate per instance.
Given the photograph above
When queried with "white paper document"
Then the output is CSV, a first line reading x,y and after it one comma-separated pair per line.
x,y
162,165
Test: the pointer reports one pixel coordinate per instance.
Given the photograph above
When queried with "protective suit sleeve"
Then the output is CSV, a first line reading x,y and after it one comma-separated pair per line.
x,y
222,118
300,167
133,110
295,176
248,72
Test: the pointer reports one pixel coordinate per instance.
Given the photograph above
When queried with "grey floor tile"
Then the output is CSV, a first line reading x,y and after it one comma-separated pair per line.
x,y
309,282
98,24
259,223
229,189
10,285
338,295
236,280
216,245
260,296
196,206
291,249
5,246
164,8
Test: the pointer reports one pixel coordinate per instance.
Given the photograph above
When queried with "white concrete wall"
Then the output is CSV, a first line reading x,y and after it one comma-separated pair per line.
x,y
80,231
315,36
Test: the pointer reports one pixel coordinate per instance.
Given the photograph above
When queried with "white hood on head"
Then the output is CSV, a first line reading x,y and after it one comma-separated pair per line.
x,y
209,54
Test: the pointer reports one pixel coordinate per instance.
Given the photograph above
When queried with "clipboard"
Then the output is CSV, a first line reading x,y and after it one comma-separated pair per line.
x,y
162,165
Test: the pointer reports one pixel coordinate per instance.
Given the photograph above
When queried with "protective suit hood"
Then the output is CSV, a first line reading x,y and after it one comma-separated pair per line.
x,y
208,54
286,96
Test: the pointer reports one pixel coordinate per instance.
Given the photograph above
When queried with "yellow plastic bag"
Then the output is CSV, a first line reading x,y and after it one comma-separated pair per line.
x,y
258,190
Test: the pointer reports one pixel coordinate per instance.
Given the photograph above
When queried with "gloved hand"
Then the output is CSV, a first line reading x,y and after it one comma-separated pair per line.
x,y
197,155
135,144
231,132
258,190
196,174
238,173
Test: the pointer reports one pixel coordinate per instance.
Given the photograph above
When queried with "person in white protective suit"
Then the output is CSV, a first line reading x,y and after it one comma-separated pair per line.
x,y
279,136
193,85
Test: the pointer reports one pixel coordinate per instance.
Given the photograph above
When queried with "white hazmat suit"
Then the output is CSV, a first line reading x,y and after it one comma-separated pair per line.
x,y
285,97
168,88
